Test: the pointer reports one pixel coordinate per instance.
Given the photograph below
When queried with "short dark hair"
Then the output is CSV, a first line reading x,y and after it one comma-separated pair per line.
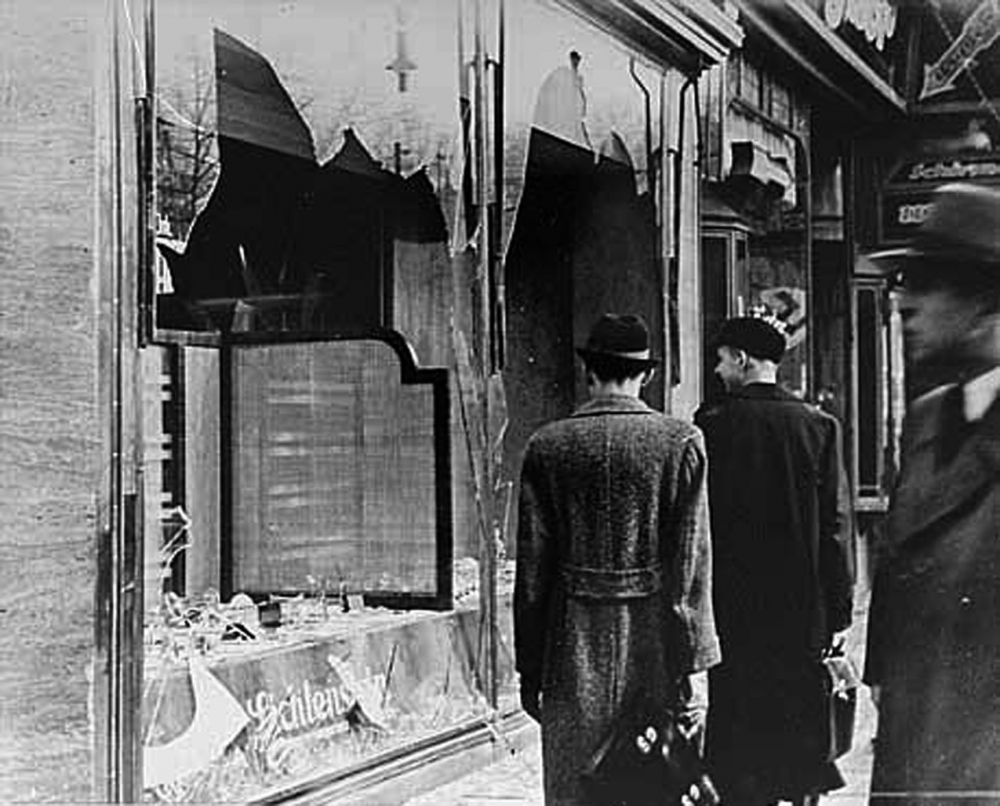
x,y
609,368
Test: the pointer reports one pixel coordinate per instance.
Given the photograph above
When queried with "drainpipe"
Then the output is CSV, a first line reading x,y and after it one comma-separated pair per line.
x,y
487,553
673,368
805,188
657,250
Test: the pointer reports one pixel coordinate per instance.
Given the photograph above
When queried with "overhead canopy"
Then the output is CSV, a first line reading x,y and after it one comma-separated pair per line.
x,y
688,35
808,45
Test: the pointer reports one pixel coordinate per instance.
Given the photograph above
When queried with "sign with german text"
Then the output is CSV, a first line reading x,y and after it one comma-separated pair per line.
x,y
902,213
959,52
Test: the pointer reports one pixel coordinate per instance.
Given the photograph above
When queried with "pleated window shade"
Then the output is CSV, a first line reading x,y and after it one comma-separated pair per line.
x,y
333,470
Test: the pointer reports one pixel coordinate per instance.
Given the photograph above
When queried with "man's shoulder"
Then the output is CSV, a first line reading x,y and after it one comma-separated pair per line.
x,y
653,423
811,416
737,409
676,429
708,413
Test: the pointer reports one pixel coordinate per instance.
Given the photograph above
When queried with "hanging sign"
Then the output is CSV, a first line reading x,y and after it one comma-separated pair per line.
x,y
958,52
979,32
876,19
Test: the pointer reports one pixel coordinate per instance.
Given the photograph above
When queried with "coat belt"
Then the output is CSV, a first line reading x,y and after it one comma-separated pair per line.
x,y
601,584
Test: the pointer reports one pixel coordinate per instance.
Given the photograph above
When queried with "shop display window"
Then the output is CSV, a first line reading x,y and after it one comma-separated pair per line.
x,y
723,285
291,176
871,419
879,399
313,588
335,474
347,392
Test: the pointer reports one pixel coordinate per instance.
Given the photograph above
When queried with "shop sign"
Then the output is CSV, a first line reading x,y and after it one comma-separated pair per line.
x,y
286,702
958,52
954,170
876,19
314,704
233,729
979,32
902,214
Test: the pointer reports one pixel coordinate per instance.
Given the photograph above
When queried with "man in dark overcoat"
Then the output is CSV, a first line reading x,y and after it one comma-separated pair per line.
x,y
783,573
933,657
612,595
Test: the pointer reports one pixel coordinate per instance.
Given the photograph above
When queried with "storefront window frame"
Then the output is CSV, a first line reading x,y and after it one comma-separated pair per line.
x,y
150,335
411,373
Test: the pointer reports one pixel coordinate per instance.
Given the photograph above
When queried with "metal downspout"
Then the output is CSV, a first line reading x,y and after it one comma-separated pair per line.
x,y
805,188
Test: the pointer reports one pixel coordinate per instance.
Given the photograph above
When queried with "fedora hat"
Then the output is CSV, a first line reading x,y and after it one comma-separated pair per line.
x,y
962,227
622,338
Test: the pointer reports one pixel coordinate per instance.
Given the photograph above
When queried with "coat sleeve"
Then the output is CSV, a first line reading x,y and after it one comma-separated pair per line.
x,y
836,536
881,604
692,632
535,570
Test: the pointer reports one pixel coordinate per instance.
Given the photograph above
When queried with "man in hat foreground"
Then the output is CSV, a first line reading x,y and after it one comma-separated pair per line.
x,y
783,574
933,657
613,592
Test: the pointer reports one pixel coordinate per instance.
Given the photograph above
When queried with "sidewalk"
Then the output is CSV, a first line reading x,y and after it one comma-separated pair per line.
x,y
516,777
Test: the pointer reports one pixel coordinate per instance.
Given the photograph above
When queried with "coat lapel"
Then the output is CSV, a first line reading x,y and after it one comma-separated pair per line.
x,y
928,493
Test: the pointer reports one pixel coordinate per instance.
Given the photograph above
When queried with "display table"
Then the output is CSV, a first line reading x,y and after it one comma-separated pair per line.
x,y
246,718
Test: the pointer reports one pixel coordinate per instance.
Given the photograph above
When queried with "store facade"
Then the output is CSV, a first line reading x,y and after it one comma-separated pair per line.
x,y
407,232
789,189
290,283
334,278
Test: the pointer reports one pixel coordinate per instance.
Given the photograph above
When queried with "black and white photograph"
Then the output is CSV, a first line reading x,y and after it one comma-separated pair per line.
x,y
500,402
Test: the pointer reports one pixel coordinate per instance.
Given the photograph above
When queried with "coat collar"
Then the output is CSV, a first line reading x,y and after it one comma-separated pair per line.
x,y
613,404
927,413
764,391
927,493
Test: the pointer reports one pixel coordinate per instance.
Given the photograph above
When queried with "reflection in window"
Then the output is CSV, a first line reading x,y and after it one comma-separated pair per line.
x,y
288,175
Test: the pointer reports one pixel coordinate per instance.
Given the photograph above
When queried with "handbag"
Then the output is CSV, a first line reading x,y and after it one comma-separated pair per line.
x,y
647,758
841,682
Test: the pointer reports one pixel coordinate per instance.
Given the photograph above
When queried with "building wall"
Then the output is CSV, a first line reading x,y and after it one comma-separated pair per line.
x,y
49,433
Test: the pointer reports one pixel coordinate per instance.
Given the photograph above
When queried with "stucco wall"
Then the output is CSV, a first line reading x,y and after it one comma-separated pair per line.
x,y
49,436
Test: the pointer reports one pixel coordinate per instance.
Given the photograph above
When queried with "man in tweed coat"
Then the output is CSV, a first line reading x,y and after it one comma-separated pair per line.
x,y
613,588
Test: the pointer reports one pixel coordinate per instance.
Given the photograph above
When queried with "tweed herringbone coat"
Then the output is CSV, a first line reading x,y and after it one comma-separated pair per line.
x,y
934,621
613,586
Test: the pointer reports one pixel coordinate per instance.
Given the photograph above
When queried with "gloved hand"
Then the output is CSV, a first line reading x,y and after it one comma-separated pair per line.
x,y
531,701
839,638
691,705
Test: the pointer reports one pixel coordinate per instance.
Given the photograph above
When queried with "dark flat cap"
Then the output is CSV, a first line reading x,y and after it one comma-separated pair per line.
x,y
754,335
623,338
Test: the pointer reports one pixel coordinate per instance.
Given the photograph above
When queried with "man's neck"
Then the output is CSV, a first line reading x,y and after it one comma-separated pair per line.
x,y
630,387
760,375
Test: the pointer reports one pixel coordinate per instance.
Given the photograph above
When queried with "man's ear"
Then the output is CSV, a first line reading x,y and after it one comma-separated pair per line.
x,y
647,376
